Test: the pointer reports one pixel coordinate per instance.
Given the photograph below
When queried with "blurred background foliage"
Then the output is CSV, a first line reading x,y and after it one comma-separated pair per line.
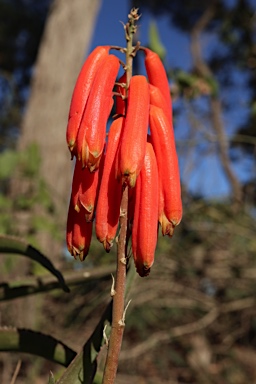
x,y
193,319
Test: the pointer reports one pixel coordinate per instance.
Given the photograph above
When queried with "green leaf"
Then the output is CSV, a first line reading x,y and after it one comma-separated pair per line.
x,y
35,284
35,343
9,244
155,41
83,367
76,372
185,79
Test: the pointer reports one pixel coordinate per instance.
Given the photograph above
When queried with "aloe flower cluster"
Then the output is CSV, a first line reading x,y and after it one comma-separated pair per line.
x,y
137,153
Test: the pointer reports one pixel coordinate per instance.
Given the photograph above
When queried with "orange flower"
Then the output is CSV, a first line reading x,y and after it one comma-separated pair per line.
x,y
163,141
157,75
110,194
132,157
79,233
85,187
157,99
144,231
134,138
81,92
92,131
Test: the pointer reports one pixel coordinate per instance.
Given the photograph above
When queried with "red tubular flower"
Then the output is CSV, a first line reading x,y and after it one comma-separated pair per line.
x,y
134,138
85,187
92,131
157,99
147,162
81,92
90,190
157,75
136,218
79,233
110,194
162,138
144,231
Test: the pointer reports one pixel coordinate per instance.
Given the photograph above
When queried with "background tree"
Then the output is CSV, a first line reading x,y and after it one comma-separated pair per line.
x,y
58,63
39,194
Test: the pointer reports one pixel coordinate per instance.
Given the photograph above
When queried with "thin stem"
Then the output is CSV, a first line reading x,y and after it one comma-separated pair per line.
x,y
16,372
117,329
118,314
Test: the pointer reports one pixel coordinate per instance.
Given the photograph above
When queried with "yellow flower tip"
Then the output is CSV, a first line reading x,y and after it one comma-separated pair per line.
x,y
89,211
93,161
82,256
74,251
130,178
83,153
167,226
71,145
168,230
107,244
175,222
77,208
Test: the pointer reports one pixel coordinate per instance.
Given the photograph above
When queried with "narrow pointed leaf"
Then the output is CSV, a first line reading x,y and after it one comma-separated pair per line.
x,y
83,368
35,343
32,285
51,378
9,244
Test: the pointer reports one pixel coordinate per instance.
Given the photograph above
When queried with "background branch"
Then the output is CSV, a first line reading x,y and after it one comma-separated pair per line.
x,y
196,326
215,104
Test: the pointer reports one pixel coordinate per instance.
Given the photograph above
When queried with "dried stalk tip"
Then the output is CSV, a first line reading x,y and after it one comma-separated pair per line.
x,y
130,27
133,15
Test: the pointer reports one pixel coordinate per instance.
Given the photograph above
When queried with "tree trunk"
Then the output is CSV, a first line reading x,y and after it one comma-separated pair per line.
x,y
64,44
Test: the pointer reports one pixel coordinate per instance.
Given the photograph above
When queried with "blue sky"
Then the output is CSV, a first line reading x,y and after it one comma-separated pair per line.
x,y
109,30
206,176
